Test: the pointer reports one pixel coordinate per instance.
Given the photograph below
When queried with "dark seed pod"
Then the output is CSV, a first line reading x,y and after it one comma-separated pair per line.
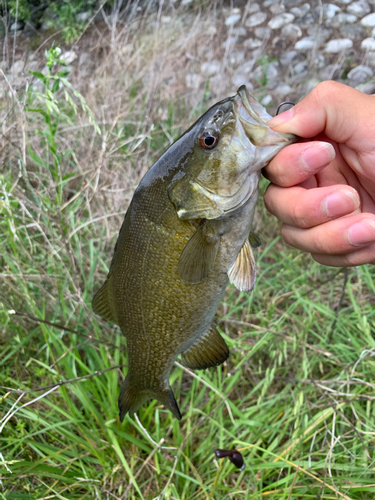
x,y
234,456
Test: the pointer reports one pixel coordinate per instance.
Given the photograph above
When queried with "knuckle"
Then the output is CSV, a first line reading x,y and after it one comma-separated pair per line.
x,y
298,216
325,90
321,244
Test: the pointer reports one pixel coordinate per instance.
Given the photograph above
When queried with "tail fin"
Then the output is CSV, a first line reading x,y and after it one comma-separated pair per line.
x,y
131,399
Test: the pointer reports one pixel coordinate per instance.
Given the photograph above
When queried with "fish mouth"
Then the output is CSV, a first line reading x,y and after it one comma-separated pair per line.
x,y
254,133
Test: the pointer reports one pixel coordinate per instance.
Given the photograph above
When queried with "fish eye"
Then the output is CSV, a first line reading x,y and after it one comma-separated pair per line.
x,y
208,140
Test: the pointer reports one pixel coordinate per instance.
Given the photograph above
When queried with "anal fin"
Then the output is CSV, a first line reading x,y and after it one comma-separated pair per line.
x,y
242,273
209,350
101,302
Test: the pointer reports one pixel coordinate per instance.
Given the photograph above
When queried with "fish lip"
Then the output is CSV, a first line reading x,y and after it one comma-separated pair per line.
x,y
243,94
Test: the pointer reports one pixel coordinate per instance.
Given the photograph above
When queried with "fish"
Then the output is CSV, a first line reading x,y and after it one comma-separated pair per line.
x,y
185,235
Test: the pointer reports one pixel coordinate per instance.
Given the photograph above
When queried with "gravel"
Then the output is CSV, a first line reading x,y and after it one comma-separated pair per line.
x,y
279,48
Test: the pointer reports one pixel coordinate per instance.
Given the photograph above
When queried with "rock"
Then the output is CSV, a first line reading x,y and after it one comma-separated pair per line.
x,y
256,19
233,19
353,31
236,57
307,20
373,33
268,3
283,89
281,20
306,43
310,84
368,21
291,31
211,30
210,68
165,19
329,10
291,3
262,32
319,61
287,58
230,42
341,19
368,44
266,100
246,68
360,74
331,72
337,45
241,79
277,8
300,11
301,68
269,73
253,7
17,67
370,58
251,43
82,17
367,88
69,56
85,63
359,9
18,26
273,70
345,2
32,66
239,31
193,80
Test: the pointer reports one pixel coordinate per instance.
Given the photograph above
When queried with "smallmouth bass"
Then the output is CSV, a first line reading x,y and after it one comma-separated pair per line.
x,y
184,236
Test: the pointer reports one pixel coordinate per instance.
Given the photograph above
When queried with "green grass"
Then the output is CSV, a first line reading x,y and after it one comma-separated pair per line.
x,y
296,396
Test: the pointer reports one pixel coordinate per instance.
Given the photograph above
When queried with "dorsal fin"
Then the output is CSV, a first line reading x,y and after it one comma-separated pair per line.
x,y
209,350
101,303
242,273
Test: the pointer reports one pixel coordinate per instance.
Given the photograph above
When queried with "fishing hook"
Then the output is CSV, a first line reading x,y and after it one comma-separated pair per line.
x,y
282,104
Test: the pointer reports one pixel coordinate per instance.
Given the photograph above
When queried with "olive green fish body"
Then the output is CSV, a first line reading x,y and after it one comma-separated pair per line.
x,y
185,234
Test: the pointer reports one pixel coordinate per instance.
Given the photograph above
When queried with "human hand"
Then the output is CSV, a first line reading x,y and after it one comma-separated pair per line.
x,y
324,192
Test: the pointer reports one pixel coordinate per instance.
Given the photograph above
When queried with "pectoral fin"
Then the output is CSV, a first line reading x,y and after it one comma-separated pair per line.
x,y
198,256
209,350
255,240
243,272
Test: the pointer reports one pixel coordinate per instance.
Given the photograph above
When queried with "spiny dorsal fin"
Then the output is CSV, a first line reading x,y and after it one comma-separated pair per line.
x,y
101,303
210,350
198,256
255,240
243,271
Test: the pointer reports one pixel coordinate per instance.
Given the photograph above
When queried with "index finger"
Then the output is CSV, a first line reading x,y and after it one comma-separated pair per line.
x,y
341,112
298,162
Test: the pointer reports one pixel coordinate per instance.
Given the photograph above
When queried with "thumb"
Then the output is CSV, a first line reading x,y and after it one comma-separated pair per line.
x,y
344,114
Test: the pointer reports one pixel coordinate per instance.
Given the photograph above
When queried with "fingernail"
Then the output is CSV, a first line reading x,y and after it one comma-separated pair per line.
x,y
317,156
340,203
362,233
281,118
